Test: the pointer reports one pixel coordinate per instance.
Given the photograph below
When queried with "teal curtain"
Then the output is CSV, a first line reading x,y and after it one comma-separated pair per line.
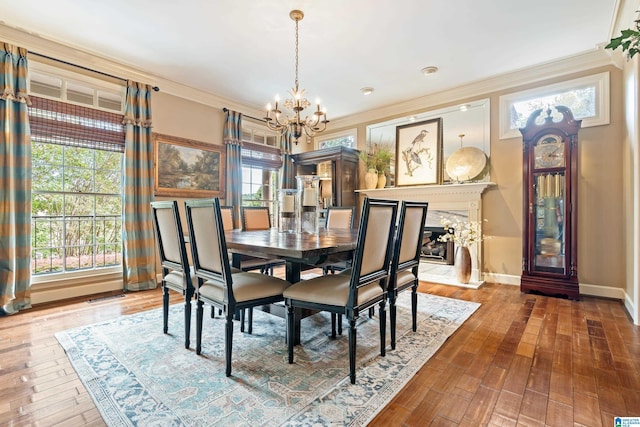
x,y
15,176
288,171
139,258
232,137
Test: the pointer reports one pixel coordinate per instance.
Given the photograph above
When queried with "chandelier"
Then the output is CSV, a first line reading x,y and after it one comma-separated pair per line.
x,y
295,124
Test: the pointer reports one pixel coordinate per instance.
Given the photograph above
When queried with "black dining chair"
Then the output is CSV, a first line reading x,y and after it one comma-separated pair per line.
x,y
338,217
406,260
357,289
216,285
256,218
176,273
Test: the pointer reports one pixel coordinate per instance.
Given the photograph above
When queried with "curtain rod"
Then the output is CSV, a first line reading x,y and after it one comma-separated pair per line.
x,y
225,109
155,88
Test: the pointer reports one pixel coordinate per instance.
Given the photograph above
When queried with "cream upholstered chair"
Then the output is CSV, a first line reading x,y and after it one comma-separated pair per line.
x,y
358,289
176,273
256,218
406,260
227,217
216,285
338,217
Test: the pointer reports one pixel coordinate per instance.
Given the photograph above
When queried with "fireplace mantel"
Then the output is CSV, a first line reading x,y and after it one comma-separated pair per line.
x,y
449,197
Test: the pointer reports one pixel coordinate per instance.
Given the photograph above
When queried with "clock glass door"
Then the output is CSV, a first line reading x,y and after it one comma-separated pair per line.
x,y
549,223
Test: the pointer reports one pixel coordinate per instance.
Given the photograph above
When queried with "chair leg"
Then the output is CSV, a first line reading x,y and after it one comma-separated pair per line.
x,y
414,308
352,350
228,343
290,332
392,316
383,327
250,320
187,318
242,320
165,309
339,324
333,326
213,312
199,315
372,312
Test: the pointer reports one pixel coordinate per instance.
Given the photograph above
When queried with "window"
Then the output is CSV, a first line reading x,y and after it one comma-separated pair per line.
x,y
587,97
77,155
347,138
261,161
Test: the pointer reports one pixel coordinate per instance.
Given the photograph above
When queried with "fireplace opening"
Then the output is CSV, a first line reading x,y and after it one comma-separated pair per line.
x,y
435,251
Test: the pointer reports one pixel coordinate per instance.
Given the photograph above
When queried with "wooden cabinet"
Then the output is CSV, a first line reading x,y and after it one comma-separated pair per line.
x,y
550,204
337,168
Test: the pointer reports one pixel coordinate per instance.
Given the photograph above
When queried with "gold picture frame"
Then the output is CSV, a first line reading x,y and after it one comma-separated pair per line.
x,y
419,153
187,168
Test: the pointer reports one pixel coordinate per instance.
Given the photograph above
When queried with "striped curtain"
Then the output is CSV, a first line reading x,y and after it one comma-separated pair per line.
x,y
232,137
288,172
15,179
139,259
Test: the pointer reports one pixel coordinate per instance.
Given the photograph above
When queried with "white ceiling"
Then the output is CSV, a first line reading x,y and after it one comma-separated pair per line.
x,y
244,49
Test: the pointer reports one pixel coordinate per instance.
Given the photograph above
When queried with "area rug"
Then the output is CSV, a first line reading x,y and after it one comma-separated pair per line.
x,y
138,376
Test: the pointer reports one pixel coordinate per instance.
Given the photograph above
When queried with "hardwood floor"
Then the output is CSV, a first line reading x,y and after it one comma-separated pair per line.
x,y
521,359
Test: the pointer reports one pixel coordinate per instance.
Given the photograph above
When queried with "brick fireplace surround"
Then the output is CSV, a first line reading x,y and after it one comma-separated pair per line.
x,y
463,198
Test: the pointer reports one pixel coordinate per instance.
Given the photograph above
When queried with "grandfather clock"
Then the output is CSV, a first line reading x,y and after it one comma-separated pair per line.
x,y
550,205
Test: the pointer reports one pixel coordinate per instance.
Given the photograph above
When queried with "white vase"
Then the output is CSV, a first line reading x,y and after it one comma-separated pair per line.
x,y
370,179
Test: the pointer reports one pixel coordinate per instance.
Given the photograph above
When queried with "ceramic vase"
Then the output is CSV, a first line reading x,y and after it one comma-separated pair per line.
x,y
462,264
382,181
371,179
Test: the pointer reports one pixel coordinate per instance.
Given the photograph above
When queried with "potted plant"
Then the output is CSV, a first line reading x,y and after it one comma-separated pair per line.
x,y
378,160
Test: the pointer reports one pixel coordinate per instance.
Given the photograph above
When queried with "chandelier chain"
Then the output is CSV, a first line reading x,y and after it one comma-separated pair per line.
x,y
294,124
297,20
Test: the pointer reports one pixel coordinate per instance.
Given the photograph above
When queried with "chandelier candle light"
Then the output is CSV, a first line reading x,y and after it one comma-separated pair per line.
x,y
295,124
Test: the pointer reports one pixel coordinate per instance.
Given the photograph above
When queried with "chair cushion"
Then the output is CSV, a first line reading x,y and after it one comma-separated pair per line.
x,y
404,277
246,287
175,279
332,289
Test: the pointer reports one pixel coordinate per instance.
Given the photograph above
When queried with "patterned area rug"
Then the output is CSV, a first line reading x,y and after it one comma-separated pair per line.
x,y
139,376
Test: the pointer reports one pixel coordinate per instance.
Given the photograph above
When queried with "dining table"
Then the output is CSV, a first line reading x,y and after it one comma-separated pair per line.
x,y
299,251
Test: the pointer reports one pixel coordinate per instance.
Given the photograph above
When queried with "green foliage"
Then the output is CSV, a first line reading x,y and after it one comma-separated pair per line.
x,y
378,157
628,41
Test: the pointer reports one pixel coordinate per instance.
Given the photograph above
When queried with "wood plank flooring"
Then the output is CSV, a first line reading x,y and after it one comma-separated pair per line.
x,y
520,360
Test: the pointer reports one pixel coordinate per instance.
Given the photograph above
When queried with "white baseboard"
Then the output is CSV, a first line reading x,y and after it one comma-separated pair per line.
x,y
503,279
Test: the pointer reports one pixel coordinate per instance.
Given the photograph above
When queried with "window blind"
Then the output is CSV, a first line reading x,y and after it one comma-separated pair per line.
x,y
60,123
261,156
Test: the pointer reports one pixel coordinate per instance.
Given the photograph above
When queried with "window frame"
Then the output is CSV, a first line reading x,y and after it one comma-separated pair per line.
x,y
600,81
318,140
97,86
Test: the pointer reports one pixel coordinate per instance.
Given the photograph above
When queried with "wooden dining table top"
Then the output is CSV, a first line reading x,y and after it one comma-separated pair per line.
x,y
292,246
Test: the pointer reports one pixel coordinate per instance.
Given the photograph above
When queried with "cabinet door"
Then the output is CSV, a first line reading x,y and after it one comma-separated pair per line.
x,y
549,219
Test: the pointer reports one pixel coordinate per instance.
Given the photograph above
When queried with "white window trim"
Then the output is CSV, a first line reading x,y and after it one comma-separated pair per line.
x,y
325,137
66,75
600,81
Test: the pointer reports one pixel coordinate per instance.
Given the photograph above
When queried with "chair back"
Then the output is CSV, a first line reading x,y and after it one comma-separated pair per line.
x,y
255,218
208,244
339,217
409,234
374,246
170,238
227,217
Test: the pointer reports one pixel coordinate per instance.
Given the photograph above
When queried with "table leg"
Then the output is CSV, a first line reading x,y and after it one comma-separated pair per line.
x,y
292,274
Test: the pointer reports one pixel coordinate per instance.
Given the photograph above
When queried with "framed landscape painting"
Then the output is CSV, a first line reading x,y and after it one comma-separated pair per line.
x,y
419,153
186,168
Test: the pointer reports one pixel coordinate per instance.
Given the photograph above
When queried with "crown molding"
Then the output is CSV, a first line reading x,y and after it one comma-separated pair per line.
x,y
75,55
547,70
